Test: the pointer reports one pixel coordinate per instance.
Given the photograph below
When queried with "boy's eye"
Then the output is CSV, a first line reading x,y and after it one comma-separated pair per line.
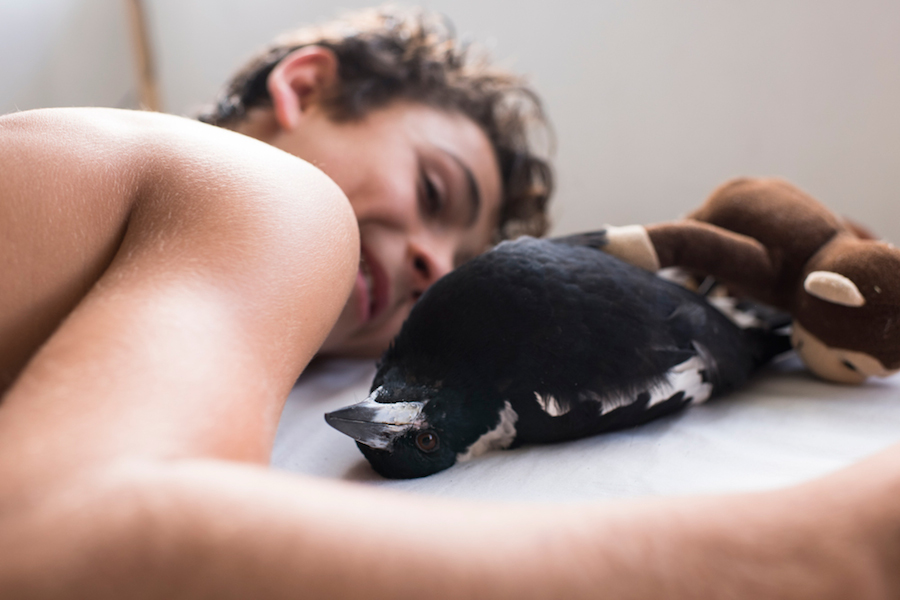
x,y
849,365
431,196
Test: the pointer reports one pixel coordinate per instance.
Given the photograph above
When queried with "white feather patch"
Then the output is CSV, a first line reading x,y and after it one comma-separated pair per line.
x,y
608,403
727,305
550,405
684,377
500,436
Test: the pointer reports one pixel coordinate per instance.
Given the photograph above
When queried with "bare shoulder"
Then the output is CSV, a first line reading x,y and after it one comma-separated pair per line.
x,y
135,155
150,161
148,201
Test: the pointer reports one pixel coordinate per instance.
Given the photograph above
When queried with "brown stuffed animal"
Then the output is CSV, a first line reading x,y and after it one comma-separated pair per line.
x,y
766,239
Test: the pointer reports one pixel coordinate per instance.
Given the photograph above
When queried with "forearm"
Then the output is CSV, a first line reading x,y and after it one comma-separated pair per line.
x,y
780,545
209,529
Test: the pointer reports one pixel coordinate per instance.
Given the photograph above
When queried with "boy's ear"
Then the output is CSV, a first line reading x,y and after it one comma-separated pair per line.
x,y
298,81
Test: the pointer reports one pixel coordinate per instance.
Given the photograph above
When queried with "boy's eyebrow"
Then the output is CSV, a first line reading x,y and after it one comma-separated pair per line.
x,y
474,193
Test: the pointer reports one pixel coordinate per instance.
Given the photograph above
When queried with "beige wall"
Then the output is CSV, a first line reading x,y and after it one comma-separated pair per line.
x,y
64,53
655,102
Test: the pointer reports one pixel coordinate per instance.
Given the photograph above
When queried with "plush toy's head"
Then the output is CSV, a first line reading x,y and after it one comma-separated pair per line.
x,y
847,310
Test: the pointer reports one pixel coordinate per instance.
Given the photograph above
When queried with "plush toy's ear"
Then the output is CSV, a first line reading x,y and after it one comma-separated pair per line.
x,y
834,288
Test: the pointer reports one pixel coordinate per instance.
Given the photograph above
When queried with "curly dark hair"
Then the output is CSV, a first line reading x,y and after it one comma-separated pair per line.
x,y
389,54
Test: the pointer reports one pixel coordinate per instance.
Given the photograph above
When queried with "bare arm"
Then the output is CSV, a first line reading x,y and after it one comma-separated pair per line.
x,y
199,529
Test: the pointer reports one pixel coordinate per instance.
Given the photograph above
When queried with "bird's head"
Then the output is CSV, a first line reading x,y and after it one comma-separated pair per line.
x,y
410,430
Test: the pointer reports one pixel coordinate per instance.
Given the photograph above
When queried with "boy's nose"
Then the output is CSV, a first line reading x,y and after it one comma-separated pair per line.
x,y
429,263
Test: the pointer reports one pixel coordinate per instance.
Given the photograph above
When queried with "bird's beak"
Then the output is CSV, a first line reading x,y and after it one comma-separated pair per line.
x,y
376,424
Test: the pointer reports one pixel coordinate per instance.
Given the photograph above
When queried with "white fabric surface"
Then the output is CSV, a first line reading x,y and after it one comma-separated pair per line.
x,y
783,428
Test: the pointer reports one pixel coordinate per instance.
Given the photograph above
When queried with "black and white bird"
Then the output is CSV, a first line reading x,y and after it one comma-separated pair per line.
x,y
543,341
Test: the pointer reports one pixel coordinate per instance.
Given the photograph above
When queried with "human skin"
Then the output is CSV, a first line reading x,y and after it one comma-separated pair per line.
x,y
197,271
151,258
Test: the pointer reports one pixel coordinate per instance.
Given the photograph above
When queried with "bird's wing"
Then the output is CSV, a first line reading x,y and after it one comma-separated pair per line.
x,y
632,347
572,413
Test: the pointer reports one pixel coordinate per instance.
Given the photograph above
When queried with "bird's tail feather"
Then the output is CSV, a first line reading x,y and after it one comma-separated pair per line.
x,y
766,344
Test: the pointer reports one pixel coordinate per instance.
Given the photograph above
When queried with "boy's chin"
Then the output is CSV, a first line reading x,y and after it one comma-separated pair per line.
x,y
351,339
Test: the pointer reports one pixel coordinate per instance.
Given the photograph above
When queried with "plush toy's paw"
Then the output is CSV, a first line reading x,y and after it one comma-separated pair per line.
x,y
835,364
632,244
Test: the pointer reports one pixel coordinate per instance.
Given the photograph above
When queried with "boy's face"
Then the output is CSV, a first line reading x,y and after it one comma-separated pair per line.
x,y
425,187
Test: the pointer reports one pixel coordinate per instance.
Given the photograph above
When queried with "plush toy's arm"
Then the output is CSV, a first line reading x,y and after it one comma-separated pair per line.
x,y
859,230
727,256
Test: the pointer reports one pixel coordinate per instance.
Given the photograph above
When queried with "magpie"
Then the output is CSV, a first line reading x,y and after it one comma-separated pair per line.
x,y
542,341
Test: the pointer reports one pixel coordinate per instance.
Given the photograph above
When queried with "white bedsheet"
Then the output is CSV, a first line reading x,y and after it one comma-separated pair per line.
x,y
784,427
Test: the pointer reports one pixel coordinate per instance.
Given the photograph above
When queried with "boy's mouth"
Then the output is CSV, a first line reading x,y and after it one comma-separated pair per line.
x,y
374,284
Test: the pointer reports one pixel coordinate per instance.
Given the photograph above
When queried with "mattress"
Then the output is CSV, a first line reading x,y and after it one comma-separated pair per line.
x,y
784,427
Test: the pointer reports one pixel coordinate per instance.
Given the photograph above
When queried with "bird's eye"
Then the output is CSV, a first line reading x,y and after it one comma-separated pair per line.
x,y
427,441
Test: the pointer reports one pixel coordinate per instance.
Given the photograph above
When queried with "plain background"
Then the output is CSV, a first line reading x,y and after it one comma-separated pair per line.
x,y
654,102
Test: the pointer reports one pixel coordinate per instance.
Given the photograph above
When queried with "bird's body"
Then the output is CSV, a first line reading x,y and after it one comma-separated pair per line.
x,y
543,341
